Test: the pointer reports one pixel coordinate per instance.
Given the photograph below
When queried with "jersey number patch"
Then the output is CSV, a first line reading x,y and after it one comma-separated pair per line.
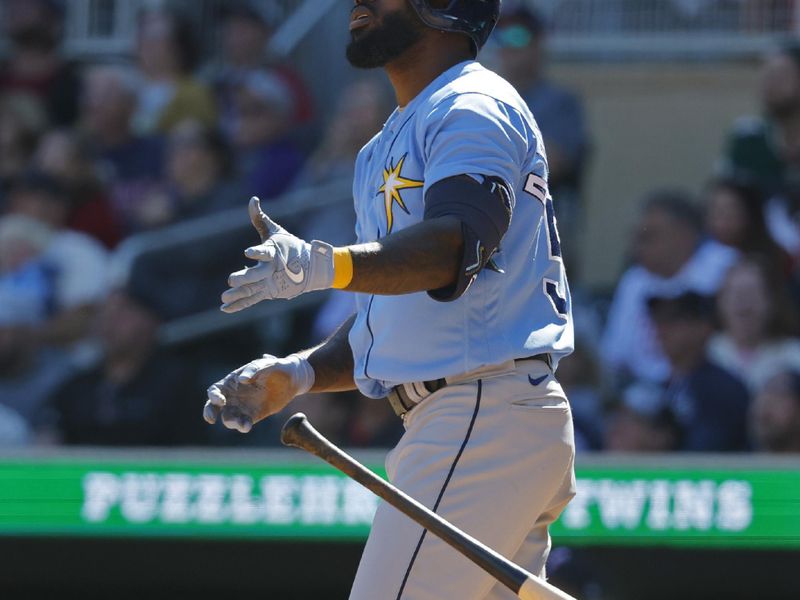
x,y
537,187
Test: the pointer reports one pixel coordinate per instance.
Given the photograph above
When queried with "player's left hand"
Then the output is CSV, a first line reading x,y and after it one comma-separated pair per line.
x,y
287,266
257,390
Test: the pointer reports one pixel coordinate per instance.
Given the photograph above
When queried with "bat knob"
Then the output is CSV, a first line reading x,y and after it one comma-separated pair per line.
x,y
291,433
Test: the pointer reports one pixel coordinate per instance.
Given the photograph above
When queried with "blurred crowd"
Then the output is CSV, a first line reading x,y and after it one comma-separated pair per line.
x,y
696,349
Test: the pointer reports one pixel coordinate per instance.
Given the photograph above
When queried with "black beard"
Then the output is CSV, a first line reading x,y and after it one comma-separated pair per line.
x,y
376,48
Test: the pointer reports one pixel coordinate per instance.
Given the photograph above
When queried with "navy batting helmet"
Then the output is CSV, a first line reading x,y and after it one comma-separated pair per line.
x,y
475,18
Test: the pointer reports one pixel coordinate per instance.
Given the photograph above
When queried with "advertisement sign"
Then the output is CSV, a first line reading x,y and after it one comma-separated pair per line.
x,y
651,505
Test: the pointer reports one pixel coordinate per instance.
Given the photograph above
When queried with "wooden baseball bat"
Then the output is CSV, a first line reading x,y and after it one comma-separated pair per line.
x,y
299,433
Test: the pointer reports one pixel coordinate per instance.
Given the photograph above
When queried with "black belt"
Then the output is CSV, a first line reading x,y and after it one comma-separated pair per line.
x,y
402,402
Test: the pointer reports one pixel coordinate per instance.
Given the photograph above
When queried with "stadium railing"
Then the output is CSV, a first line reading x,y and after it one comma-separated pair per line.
x,y
233,223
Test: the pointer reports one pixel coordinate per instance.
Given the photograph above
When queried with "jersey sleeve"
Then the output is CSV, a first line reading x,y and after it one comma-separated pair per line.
x,y
475,134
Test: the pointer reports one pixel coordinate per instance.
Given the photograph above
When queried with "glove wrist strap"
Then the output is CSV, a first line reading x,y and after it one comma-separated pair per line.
x,y
304,373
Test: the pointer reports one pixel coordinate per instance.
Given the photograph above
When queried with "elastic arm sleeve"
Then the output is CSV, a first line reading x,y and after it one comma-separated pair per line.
x,y
484,209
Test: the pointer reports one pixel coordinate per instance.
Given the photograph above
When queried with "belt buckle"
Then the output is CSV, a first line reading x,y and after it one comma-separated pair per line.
x,y
406,396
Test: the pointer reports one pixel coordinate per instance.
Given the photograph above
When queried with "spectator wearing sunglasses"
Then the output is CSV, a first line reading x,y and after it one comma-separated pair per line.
x,y
521,37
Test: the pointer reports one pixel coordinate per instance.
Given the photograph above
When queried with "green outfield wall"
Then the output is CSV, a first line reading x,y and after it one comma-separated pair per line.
x,y
681,501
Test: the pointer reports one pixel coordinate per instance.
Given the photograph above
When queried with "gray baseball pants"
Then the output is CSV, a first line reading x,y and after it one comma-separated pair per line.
x,y
493,454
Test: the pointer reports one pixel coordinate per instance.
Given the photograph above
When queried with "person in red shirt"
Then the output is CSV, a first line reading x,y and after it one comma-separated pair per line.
x,y
62,156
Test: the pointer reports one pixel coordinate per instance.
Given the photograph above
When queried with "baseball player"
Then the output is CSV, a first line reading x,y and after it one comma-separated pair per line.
x,y
463,308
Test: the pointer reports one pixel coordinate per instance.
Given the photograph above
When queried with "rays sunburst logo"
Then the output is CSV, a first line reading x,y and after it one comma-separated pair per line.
x,y
393,184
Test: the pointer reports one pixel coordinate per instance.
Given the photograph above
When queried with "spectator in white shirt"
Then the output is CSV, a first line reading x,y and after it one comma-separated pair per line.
x,y
671,256
758,321
80,263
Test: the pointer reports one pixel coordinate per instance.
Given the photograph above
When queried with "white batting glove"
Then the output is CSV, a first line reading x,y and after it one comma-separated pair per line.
x,y
257,390
287,266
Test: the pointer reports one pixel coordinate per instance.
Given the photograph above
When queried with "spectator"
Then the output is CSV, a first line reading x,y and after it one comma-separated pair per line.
x,y
138,394
167,54
776,414
28,377
758,323
62,156
79,263
642,422
735,218
28,373
360,111
198,179
521,35
245,39
709,403
766,149
198,184
27,282
579,375
269,160
671,257
200,172
34,65
22,122
132,165
782,216
14,430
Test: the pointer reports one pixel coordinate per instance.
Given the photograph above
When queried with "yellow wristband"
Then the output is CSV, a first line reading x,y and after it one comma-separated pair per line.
x,y
342,268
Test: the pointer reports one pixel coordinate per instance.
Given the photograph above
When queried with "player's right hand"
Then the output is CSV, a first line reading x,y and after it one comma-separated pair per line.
x,y
257,390
287,266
